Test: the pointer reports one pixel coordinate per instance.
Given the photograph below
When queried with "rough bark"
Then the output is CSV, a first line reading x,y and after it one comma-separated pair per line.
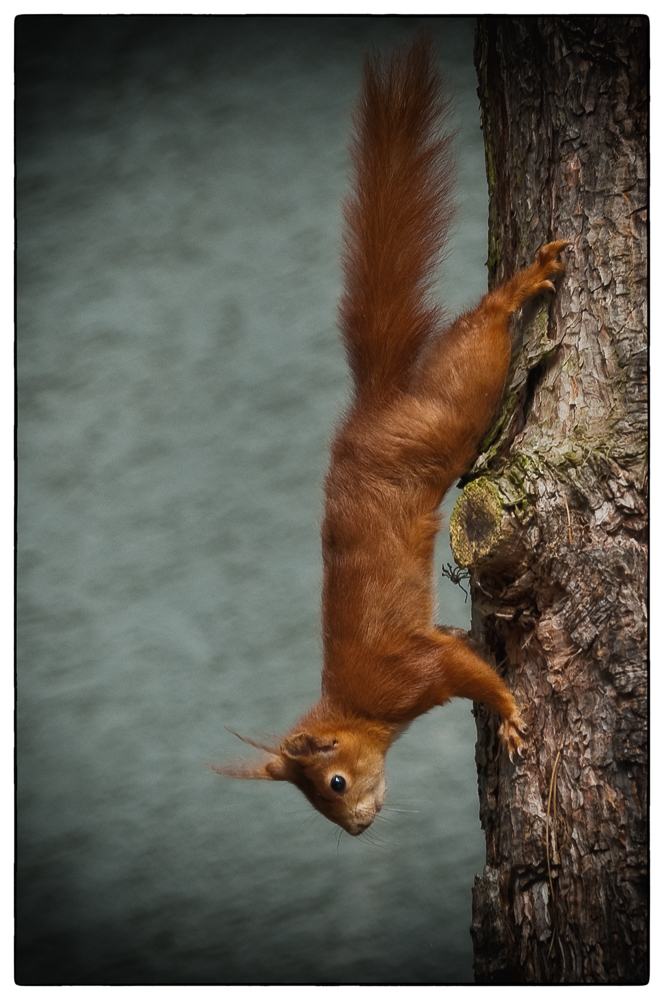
x,y
553,524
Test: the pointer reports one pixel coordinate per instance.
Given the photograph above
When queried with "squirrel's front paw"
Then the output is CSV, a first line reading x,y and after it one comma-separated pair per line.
x,y
511,732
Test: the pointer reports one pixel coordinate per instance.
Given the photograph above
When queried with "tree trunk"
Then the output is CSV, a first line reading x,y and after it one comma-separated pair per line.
x,y
552,523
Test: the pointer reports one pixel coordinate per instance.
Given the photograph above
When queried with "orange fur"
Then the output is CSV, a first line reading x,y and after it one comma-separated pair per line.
x,y
424,397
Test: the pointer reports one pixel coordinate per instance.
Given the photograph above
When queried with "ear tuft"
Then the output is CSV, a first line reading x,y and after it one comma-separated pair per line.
x,y
277,769
248,770
253,743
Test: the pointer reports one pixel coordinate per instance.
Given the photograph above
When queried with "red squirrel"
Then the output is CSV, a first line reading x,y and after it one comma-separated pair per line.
x,y
423,397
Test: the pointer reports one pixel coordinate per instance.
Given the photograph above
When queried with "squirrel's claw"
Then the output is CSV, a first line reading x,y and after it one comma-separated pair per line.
x,y
510,733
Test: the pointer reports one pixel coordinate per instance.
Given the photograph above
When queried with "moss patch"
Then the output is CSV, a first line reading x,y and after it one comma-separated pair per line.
x,y
475,522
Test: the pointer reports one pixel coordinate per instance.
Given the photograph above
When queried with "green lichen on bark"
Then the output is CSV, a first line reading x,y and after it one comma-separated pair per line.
x,y
475,524
516,485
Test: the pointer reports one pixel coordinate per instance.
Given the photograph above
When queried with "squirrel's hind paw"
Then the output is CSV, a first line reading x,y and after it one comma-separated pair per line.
x,y
546,264
511,734
551,250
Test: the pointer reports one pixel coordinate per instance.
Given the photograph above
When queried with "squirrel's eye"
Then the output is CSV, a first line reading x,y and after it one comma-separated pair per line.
x,y
337,783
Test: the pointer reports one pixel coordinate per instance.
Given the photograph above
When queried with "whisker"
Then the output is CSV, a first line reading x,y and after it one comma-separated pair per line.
x,y
372,838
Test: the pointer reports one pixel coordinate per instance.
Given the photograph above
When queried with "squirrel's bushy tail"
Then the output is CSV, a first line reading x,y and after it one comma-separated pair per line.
x,y
397,218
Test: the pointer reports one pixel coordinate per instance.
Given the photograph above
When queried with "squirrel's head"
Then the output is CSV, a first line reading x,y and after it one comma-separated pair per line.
x,y
340,770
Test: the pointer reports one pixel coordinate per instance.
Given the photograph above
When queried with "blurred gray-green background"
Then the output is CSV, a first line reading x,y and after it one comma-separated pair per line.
x,y
178,192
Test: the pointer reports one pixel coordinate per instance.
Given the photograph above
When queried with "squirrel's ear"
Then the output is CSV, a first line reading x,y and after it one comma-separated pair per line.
x,y
305,745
